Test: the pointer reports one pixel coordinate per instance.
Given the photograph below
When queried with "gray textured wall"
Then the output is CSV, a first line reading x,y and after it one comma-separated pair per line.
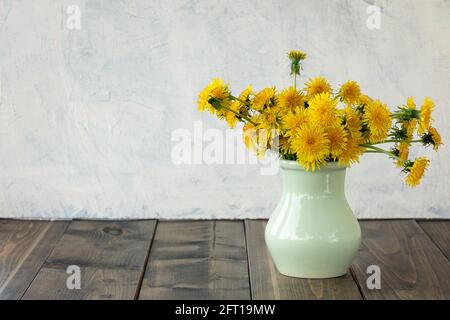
x,y
86,115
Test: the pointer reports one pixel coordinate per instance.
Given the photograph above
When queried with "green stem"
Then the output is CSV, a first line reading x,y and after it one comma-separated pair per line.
x,y
237,99
394,140
295,81
240,115
380,150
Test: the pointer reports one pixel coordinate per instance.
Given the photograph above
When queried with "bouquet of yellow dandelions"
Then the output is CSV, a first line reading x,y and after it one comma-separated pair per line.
x,y
316,125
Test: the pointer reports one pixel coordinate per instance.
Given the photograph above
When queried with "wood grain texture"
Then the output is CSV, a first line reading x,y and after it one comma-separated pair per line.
x,y
268,283
411,265
197,260
111,256
439,232
24,247
208,260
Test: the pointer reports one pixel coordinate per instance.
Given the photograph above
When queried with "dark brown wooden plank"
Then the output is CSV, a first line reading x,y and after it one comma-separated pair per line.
x,y
268,283
411,265
439,232
197,260
110,254
24,247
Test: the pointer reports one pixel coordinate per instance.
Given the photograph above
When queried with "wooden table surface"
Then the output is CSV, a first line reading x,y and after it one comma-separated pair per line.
x,y
208,259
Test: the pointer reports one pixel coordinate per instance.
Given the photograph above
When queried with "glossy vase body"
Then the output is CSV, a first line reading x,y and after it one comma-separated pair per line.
x,y
313,233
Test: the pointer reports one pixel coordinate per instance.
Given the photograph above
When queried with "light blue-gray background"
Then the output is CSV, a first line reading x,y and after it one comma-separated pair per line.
x,y
86,115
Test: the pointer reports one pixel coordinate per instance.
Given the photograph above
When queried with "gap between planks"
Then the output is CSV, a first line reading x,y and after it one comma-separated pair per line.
x,y
24,248
201,259
411,265
110,254
413,257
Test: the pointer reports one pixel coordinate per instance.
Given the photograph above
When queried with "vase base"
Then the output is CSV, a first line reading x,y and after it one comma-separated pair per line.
x,y
312,275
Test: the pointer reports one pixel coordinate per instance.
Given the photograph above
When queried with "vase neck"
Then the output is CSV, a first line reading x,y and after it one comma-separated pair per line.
x,y
324,181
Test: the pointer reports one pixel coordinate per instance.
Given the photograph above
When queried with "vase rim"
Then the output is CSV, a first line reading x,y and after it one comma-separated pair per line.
x,y
294,165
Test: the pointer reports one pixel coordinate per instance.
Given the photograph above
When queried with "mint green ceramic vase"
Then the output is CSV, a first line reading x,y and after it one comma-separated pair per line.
x,y
313,233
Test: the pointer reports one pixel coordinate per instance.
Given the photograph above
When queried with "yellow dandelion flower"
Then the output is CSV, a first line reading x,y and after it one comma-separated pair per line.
x,y
410,103
403,152
256,139
432,137
311,145
264,98
411,124
296,55
436,137
269,119
264,140
216,89
290,98
322,110
425,115
352,150
365,100
352,120
284,144
247,135
317,85
350,92
238,106
244,96
416,171
378,118
338,139
294,120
